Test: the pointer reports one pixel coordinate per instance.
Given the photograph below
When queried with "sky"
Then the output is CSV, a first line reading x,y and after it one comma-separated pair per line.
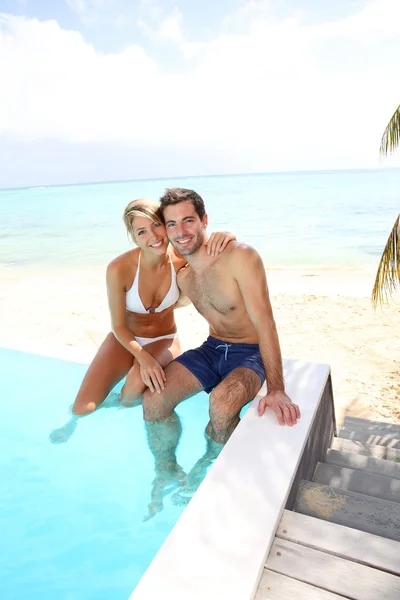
x,y
103,90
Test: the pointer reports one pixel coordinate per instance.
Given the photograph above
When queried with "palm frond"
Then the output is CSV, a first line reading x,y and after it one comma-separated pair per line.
x,y
388,274
391,136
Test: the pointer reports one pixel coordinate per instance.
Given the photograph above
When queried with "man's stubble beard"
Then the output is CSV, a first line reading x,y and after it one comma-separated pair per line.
x,y
199,243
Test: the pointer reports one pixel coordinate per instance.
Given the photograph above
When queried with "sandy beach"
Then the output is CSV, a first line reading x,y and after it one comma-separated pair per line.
x,y
322,316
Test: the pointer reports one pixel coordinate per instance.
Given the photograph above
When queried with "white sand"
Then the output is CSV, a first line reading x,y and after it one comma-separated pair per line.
x,y
322,316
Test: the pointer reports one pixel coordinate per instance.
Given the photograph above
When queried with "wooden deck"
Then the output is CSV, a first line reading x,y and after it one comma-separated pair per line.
x,y
342,538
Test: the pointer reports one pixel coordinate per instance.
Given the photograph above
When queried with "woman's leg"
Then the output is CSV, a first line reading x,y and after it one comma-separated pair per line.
x,y
164,351
111,363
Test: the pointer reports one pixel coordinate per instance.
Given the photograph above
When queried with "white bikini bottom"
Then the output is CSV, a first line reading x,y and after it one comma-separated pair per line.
x,y
144,341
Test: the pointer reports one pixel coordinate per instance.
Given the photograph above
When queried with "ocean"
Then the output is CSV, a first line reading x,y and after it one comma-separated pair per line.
x,y
335,219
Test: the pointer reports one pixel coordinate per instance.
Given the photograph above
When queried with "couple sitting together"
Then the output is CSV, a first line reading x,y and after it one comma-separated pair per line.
x,y
226,282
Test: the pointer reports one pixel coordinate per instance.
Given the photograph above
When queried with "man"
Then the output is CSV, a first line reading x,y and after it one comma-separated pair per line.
x,y
230,291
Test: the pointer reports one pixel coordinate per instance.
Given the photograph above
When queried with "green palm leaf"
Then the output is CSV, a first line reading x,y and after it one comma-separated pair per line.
x,y
388,275
391,137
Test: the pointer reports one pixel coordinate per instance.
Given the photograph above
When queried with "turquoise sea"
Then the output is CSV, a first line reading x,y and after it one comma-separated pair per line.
x,y
310,219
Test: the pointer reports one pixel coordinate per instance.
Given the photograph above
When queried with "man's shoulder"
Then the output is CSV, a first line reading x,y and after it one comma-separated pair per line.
x,y
239,260
238,251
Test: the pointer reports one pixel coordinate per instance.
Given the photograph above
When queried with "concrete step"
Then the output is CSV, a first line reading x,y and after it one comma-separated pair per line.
x,y
359,511
364,449
380,437
367,425
368,464
370,484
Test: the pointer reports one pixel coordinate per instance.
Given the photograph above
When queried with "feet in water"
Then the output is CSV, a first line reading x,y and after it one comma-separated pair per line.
x,y
164,483
196,475
62,434
112,401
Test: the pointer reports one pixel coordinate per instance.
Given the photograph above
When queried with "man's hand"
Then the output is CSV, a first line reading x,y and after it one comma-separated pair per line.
x,y
283,407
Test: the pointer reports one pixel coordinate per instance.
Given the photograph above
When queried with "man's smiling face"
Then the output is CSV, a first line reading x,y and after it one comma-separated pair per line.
x,y
185,229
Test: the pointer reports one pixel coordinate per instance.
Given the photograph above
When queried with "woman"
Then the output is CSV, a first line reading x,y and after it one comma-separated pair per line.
x,y
142,294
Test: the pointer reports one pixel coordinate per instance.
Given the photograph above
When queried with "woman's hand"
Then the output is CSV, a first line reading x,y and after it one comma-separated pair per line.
x,y
218,241
151,372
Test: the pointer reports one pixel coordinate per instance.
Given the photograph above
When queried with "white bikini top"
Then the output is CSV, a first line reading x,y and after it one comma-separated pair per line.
x,y
134,303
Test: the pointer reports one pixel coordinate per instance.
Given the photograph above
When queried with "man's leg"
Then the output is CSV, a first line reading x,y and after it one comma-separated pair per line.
x,y
164,429
193,479
180,385
227,400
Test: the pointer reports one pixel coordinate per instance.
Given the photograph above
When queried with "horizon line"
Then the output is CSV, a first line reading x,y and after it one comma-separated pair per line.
x,y
170,177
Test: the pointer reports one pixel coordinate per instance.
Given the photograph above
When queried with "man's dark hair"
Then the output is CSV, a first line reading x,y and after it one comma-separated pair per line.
x,y
176,195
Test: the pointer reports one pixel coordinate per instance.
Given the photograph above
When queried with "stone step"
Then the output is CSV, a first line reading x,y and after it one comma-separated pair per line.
x,y
367,425
368,464
380,437
366,513
369,484
364,449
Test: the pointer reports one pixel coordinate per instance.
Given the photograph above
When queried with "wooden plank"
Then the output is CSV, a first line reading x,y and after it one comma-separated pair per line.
x,y
370,484
382,439
352,544
384,452
368,464
365,425
274,586
337,575
378,431
359,511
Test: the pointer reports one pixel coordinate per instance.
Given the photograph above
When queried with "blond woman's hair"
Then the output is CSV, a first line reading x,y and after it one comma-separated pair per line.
x,y
141,208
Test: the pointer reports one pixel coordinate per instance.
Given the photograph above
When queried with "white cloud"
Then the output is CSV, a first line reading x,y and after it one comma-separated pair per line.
x,y
275,95
88,10
164,28
83,6
78,6
377,18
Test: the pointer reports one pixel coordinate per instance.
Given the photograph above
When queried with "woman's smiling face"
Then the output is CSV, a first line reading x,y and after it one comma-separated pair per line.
x,y
149,235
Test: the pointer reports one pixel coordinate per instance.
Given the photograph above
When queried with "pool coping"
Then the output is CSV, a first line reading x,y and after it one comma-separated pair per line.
x,y
78,354
218,547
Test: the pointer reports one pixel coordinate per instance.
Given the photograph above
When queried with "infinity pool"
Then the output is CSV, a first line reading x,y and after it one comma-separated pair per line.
x,y
72,513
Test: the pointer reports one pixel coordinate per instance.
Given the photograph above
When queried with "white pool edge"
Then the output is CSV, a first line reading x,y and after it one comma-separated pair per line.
x,y
218,547
78,354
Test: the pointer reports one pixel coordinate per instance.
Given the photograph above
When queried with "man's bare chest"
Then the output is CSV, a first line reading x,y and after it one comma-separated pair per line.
x,y
212,291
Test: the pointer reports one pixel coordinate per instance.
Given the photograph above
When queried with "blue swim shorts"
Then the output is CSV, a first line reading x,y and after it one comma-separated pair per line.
x,y
215,359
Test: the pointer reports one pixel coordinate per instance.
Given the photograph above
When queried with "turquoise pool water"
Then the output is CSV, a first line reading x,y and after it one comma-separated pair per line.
x,y
71,514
